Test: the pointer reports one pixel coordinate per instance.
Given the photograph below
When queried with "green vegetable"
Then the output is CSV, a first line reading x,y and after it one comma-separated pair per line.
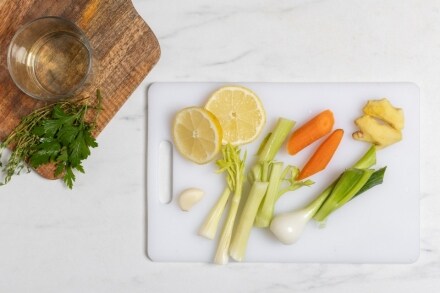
x,y
268,205
241,235
272,144
273,172
58,134
375,179
351,183
288,227
345,189
277,188
233,165
367,160
266,172
210,225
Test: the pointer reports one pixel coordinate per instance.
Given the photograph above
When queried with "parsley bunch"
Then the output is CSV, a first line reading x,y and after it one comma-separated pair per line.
x,y
58,134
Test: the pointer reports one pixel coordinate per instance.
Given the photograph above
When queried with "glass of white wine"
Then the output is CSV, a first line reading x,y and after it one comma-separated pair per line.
x,y
50,58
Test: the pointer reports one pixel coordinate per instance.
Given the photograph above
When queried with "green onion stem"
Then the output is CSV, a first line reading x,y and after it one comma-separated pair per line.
x,y
346,187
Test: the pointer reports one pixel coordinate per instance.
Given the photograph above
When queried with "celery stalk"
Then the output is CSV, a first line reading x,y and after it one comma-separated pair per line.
x,y
271,171
265,171
233,165
221,254
210,225
241,235
346,187
289,174
273,144
267,207
255,174
260,174
267,180
276,189
263,143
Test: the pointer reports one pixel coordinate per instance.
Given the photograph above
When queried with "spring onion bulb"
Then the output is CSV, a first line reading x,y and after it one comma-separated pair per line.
x,y
288,227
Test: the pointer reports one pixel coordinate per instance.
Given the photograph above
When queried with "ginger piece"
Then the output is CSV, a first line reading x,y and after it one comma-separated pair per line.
x,y
374,131
384,110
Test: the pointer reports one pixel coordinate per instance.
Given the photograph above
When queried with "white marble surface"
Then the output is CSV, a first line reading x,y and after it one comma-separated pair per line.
x,y
92,239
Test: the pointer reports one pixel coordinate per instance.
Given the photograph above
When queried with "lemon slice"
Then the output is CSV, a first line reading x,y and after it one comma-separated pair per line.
x,y
197,134
240,113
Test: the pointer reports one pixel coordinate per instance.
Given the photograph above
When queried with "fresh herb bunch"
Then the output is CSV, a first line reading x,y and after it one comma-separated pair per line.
x,y
58,134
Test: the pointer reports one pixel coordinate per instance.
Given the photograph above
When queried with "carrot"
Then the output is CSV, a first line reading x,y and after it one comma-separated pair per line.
x,y
322,156
311,131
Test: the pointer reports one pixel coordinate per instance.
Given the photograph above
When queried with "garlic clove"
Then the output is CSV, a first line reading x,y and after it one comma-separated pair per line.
x,y
189,197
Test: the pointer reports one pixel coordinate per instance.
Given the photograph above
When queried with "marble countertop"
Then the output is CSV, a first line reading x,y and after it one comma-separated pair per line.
x,y
92,239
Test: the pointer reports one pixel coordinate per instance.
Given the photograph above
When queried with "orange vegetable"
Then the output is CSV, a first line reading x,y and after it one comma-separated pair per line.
x,y
310,132
320,159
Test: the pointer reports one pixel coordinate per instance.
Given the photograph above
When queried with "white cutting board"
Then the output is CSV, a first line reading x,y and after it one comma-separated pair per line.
x,y
380,226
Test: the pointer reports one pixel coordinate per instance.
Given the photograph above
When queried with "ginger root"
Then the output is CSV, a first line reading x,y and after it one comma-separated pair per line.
x,y
381,124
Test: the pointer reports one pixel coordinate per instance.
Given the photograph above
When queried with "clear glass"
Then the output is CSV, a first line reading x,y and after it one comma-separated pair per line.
x,y
50,58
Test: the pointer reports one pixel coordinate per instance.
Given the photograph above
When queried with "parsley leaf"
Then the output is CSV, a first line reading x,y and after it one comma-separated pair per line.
x,y
69,177
46,153
57,133
67,134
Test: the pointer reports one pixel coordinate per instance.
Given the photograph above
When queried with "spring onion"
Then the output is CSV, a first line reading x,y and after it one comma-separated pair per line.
x,y
288,227
350,182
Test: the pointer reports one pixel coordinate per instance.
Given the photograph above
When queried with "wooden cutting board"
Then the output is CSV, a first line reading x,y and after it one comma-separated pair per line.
x,y
124,51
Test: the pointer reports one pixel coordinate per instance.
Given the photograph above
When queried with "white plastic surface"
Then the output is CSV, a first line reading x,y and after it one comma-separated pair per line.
x,y
380,226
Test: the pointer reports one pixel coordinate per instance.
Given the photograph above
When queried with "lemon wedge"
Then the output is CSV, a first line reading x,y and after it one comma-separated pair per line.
x,y
197,134
240,113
